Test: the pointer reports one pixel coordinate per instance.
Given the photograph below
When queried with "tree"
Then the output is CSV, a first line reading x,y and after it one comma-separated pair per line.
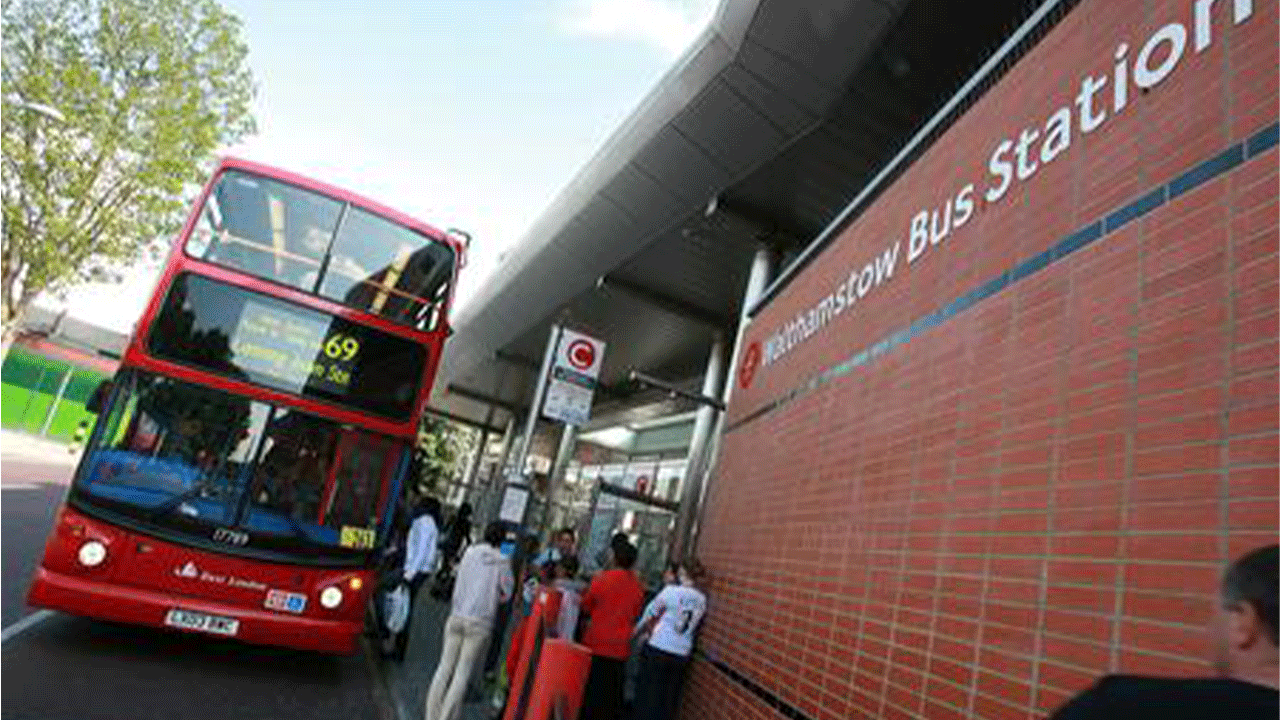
x,y
441,453
113,109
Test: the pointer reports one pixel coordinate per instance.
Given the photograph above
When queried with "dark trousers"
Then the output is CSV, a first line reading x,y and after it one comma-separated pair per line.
x,y
402,637
497,639
602,699
658,687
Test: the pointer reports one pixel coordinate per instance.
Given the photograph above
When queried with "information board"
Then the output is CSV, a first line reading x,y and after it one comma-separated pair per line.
x,y
574,373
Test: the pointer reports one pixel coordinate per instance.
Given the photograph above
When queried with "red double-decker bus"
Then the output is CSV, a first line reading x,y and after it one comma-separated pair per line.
x,y
244,468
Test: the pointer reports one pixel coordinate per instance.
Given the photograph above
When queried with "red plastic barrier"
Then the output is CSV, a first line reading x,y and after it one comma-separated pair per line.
x,y
560,681
526,645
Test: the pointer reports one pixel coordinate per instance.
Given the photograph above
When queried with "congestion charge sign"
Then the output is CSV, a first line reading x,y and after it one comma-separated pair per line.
x,y
294,349
572,384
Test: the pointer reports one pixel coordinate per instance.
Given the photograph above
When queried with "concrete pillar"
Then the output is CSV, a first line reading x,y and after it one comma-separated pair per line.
x,y
555,480
763,269
473,468
703,425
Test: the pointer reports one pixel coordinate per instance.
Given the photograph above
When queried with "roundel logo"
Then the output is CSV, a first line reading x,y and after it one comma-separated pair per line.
x,y
750,363
582,354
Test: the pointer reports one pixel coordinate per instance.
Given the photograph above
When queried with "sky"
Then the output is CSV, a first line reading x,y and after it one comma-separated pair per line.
x,y
468,114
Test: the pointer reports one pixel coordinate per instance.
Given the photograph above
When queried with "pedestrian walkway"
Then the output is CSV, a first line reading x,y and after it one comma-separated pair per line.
x,y
409,681
21,446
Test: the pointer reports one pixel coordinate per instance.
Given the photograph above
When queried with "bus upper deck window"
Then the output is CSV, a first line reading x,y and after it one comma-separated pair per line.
x,y
386,268
266,228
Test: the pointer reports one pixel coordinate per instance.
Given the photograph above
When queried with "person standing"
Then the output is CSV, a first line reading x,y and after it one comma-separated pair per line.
x,y
419,561
671,621
612,603
566,581
1247,660
544,564
670,576
458,534
484,579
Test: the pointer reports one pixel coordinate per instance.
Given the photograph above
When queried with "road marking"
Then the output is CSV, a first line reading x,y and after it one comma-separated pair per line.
x,y
20,486
24,624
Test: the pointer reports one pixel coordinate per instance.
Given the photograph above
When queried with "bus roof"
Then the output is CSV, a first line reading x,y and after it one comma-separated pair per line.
x,y
343,195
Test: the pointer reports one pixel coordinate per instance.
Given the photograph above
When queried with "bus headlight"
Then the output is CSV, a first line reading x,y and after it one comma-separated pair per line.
x,y
92,553
331,597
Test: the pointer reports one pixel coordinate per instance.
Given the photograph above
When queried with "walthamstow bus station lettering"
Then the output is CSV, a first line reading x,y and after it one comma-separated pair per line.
x,y
1134,70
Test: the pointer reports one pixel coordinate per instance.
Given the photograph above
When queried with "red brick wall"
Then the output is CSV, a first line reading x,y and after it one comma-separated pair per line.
x,y
1043,488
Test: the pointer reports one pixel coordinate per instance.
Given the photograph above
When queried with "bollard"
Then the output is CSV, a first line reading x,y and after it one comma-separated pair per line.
x,y
77,438
527,645
559,682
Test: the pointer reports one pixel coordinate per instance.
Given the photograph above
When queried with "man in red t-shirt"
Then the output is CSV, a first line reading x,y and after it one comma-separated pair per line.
x,y
612,604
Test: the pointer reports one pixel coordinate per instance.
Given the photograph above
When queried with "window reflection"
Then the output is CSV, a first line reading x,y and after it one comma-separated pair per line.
x,y
266,228
387,269
164,439
286,234
295,463
185,458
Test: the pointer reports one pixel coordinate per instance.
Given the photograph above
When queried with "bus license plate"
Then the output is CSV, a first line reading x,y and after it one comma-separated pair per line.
x,y
189,620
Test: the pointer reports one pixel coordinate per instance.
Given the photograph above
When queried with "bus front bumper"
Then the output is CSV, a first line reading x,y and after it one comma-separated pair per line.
x,y
108,601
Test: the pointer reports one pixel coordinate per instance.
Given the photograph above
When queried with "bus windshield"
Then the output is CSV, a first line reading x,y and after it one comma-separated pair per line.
x,y
311,242
177,458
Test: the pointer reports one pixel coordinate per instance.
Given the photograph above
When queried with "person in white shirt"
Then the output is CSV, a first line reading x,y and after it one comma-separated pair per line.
x,y
672,621
670,576
419,561
484,579
566,581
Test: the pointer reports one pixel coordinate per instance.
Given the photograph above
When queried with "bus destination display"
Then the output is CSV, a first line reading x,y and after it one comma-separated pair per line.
x,y
284,345
249,336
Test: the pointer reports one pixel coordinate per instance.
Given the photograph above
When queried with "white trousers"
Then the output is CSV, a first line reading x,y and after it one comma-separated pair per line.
x,y
463,641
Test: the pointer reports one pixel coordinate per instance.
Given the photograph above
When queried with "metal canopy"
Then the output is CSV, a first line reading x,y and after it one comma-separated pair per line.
x,y
761,133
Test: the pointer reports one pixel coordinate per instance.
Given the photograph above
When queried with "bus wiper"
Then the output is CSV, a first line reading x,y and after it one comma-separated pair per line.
x,y
208,481
168,506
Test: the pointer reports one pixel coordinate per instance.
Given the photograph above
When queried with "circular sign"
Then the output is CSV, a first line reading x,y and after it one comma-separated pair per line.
x,y
582,354
750,362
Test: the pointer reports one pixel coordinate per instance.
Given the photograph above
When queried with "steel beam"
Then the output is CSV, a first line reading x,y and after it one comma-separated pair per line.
x,y
668,303
670,389
481,397
463,421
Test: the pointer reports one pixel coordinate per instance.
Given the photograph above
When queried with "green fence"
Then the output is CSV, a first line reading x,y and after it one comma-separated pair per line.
x,y
31,400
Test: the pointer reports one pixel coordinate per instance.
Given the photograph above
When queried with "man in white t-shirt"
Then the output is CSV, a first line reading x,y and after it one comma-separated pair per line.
x,y
672,619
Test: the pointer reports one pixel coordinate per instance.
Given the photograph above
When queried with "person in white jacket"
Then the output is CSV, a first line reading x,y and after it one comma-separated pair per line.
x,y
484,579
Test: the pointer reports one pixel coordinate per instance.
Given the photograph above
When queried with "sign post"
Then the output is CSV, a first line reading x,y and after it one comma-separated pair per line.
x,y
531,420
566,385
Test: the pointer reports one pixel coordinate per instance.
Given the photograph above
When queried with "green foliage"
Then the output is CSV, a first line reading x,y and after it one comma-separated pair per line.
x,y
441,453
147,91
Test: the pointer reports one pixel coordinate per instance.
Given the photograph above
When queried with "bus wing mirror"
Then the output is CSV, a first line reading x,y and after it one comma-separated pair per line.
x,y
464,239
